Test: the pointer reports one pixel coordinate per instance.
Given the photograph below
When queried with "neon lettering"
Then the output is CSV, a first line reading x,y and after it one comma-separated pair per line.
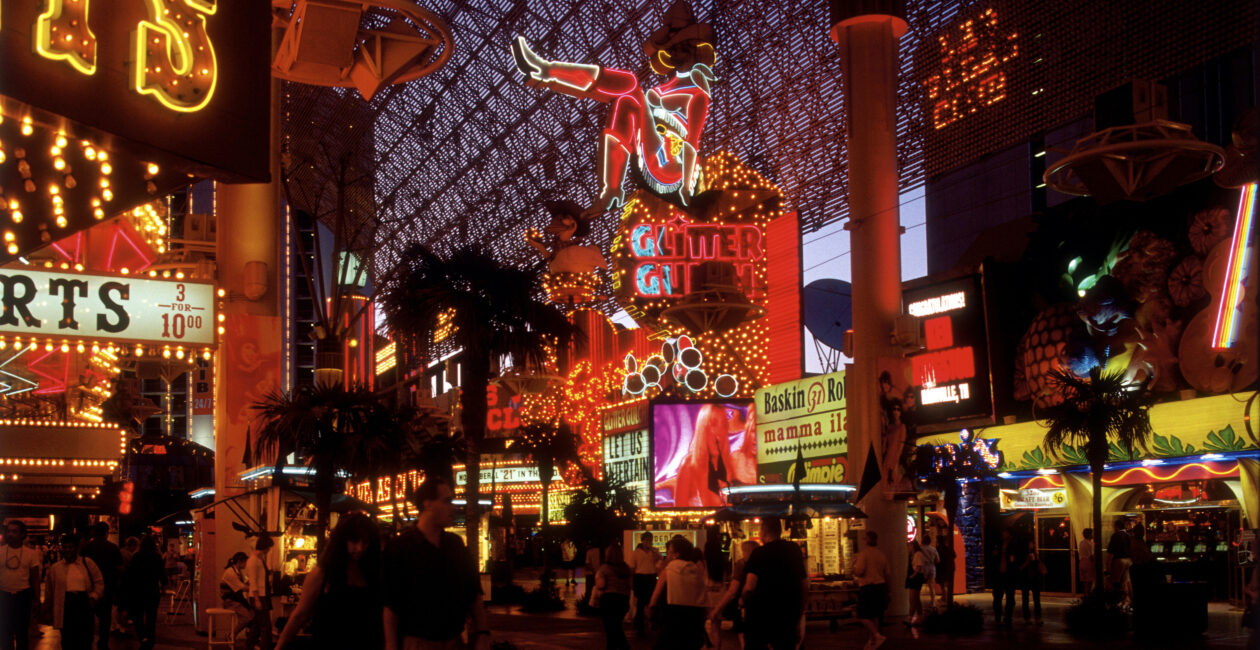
x,y
173,57
62,34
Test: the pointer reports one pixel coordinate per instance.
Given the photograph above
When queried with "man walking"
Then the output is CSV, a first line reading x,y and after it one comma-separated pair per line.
x,y
432,587
775,588
19,582
258,577
1086,561
1008,558
110,561
1120,547
871,570
646,562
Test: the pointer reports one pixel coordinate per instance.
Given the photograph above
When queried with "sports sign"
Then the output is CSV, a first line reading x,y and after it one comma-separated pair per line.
x,y
85,307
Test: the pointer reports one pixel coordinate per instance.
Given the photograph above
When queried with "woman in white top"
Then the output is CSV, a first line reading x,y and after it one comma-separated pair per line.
x,y
915,580
684,589
234,592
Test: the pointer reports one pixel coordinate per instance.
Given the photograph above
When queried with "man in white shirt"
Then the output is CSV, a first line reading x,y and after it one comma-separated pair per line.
x,y
645,562
871,570
258,578
1086,561
19,582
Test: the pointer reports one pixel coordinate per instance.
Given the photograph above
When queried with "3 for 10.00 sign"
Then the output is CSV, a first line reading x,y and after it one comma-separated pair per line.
x,y
85,307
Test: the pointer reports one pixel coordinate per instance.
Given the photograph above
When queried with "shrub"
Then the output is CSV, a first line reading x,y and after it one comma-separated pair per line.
x,y
542,600
1097,618
959,619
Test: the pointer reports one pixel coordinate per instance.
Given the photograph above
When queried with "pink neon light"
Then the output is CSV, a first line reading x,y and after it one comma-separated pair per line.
x,y
1225,333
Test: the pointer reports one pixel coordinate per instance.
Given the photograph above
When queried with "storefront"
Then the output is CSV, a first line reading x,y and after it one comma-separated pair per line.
x,y
1193,490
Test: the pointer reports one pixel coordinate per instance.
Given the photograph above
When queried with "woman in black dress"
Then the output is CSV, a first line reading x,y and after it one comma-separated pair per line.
x,y
341,597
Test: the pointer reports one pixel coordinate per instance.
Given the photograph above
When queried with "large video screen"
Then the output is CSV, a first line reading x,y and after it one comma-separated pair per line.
x,y
698,448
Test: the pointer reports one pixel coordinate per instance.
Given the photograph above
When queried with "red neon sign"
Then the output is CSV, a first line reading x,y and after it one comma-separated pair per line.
x,y
943,366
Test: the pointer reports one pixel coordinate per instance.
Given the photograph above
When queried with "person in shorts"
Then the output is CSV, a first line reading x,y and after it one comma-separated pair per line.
x,y
871,570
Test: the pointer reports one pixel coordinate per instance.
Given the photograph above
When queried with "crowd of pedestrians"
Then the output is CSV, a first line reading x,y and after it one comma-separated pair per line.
x,y
85,590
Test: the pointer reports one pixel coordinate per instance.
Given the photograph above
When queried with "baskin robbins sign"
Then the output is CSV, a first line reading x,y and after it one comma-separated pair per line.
x,y
808,414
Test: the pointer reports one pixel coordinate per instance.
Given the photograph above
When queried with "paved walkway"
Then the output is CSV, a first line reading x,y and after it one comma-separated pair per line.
x,y
568,630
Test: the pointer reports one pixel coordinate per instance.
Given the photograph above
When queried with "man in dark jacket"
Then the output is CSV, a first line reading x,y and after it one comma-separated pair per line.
x,y
110,561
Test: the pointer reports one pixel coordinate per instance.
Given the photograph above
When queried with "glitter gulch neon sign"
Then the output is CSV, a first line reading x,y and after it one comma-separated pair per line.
x,y
667,253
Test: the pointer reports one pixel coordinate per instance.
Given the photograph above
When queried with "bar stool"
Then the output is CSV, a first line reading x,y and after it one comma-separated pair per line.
x,y
221,615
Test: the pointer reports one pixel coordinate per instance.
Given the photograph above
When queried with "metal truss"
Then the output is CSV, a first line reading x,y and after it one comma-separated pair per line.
x,y
467,154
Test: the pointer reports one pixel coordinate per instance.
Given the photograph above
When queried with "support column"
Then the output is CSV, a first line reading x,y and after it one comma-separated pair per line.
x,y
867,32
249,362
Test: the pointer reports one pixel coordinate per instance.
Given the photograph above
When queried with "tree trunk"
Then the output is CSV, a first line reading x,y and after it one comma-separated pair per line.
x,y
1096,477
544,476
472,401
323,501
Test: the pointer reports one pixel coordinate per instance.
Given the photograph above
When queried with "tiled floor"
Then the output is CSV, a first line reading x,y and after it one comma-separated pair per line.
x,y
568,630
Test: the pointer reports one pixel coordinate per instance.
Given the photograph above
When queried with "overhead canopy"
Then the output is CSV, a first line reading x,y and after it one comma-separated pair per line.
x,y
788,510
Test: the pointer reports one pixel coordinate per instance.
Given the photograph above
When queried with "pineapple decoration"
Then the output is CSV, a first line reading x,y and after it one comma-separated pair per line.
x,y
1043,350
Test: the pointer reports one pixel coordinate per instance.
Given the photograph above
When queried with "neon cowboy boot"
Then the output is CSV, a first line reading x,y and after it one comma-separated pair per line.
x,y
568,78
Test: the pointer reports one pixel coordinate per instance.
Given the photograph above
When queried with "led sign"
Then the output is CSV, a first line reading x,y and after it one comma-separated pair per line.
x,y
627,448
83,307
972,72
949,378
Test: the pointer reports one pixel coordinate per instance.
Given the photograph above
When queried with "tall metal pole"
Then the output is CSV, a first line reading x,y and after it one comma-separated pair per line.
x,y
867,32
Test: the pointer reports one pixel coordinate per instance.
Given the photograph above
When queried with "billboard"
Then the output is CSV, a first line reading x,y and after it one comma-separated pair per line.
x,y
627,456
949,378
810,415
87,307
698,448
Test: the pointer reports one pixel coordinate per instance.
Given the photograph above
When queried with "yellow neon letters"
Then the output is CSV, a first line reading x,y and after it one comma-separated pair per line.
x,y
62,34
173,57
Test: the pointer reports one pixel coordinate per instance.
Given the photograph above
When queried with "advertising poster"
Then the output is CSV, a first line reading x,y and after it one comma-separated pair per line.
x,y
700,448
897,438
810,415
626,449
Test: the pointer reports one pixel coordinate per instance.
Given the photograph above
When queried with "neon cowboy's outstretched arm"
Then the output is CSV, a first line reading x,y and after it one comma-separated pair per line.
x,y
574,79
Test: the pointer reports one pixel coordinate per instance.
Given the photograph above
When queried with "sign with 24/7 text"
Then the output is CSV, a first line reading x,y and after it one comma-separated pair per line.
x,y
86,307
809,414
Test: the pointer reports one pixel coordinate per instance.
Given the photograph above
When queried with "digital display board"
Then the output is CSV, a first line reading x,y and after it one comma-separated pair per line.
x,y
950,377
810,415
698,448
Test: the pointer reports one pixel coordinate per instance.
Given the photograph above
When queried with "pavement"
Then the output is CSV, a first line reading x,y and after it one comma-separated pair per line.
x,y
569,630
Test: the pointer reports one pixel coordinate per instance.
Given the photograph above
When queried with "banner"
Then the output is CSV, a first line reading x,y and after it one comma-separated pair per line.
x,y
810,414
87,307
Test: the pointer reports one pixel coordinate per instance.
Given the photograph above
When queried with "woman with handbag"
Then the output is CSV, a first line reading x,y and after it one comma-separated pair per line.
x,y
611,596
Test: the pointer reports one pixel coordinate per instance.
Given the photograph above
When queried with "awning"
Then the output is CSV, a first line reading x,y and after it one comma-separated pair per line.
x,y
788,510
341,502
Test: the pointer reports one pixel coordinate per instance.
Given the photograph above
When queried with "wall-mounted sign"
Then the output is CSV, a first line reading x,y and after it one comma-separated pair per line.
x,y
505,475
950,377
809,414
170,76
503,409
84,307
1033,498
667,254
627,448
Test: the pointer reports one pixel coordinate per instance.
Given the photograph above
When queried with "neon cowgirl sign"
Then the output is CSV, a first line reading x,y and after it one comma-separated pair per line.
x,y
660,127
667,253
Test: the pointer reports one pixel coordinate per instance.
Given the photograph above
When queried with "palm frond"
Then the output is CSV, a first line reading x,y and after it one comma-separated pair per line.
x,y
1095,413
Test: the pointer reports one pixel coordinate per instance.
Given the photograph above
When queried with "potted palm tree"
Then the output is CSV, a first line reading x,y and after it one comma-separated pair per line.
x,y
1098,414
493,313
325,426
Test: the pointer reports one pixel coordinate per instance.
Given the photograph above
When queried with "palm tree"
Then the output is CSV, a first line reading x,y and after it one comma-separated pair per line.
x,y
547,445
1095,415
323,425
600,510
493,313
